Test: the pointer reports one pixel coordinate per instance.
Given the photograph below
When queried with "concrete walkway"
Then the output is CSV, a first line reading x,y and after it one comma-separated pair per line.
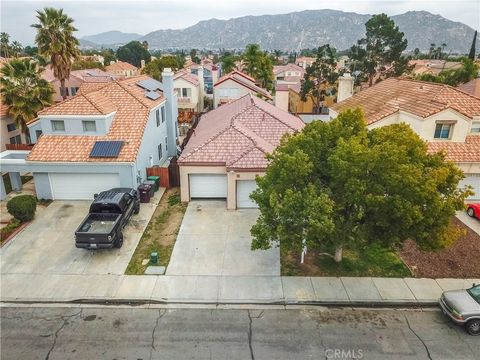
x,y
227,289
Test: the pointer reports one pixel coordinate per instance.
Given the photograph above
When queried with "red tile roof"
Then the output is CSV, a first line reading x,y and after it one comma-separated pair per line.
x,y
469,151
417,97
277,69
120,66
244,80
472,87
184,74
239,134
131,108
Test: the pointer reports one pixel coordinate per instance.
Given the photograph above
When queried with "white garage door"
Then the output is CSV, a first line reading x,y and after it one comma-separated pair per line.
x,y
474,181
208,186
81,186
244,189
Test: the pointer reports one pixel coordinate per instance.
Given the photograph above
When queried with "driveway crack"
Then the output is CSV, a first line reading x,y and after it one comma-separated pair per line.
x,y
55,334
152,346
418,337
250,331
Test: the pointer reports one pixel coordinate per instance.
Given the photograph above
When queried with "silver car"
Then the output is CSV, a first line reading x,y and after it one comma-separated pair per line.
x,y
463,307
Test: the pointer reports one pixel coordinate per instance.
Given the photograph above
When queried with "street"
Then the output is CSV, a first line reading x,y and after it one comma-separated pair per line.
x,y
86,332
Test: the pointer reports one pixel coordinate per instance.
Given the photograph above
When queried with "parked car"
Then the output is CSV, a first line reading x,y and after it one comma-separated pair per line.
x,y
463,307
109,213
473,210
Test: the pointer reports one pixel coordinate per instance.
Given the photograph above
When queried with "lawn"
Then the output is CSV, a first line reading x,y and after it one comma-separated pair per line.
x,y
160,234
370,261
8,184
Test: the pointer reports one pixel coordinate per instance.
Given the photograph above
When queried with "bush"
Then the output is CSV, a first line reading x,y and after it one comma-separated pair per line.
x,y
6,231
22,207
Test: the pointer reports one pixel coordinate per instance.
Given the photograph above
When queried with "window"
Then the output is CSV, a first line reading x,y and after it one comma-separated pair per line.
x,y
475,127
443,131
166,144
58,125
186,92
11,127
89,126
157,115
160,152
16,140
38,133
73,90
163,114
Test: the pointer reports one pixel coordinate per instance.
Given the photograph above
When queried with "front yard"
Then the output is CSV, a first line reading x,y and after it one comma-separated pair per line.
x,y
160,234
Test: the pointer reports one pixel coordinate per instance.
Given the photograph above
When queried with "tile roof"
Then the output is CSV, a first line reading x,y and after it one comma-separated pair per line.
x,y
90,75
417,97
131,108
120,66
244,80
472,87
277,69
469,151
239,134
184,74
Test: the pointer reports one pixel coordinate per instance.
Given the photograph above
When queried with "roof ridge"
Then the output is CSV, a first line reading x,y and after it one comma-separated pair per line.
x,y
275,117
64,102
124,87
243,153
93,102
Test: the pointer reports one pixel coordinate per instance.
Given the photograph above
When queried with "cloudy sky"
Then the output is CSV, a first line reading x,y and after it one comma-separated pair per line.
x,y
142,17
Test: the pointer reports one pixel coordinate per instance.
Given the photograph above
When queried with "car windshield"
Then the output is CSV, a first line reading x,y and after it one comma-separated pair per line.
x,y
475,293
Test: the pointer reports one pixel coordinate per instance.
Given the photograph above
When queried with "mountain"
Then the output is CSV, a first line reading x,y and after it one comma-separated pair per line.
x,y
85,44
308,29
111,37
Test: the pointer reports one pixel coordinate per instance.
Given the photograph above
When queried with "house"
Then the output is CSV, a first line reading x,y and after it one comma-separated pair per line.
x,y
235,85
433,66
444,116
104,137
76,79
472,87
211,72
190,91
122,69
10,133
304,61
289,73
228,147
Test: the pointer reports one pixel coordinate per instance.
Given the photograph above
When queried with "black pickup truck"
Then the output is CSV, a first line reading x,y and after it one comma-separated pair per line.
x,y
109,214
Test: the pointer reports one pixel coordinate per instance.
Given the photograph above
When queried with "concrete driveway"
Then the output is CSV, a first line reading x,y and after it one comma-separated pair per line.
x,y
47,245
472,223
215,241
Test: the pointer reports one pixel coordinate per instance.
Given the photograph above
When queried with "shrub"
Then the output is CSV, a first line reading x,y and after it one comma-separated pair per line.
x,y
6,231
22,207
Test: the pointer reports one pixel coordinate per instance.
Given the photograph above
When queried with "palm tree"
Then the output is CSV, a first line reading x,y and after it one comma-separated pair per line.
x,y
265,72
4,44
24,91
55,41
16,48
252,56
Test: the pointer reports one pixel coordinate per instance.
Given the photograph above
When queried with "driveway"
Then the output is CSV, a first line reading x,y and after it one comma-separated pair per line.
x,y
216,241
472,223
47,245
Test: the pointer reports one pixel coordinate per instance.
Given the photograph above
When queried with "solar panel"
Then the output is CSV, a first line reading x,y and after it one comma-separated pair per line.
x,y
150,84
152,95
106,149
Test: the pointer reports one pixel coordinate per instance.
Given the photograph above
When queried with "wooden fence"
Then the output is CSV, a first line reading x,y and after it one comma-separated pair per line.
x,y
169,176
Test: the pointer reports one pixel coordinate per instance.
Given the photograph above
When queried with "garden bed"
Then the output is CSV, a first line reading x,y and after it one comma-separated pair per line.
x,y
160,234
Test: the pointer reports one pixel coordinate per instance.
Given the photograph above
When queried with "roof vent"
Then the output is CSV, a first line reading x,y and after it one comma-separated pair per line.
x,y
106,149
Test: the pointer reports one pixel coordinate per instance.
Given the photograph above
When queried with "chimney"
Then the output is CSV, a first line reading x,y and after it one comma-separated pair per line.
x,y
345,87
171,111
201,90
142,64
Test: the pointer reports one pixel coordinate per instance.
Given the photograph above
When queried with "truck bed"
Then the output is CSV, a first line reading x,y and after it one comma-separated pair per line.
x,y
98,224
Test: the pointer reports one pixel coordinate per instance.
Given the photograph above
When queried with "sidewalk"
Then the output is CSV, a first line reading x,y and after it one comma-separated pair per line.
x,y
227,289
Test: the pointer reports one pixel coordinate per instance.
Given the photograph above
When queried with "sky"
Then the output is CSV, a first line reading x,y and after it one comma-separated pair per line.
x,y
92,17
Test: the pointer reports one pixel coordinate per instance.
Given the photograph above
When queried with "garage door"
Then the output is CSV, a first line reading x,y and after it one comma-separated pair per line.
x,y
208,186
474,181
244,189
81,186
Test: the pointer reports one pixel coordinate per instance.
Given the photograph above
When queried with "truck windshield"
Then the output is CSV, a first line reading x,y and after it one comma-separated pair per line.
x,y
105,208
475,293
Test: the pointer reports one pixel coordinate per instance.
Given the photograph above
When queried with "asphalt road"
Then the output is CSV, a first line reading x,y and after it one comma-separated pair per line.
x,y
146,333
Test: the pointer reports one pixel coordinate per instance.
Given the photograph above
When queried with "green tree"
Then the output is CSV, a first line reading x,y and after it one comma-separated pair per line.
x,y
228,62
133,53
336,184
16,48
31,50
251,57
194,57
454,77
87,64
108,56
471,54
264,74
320,77
56,42
154,68
24,91
4,44
383,45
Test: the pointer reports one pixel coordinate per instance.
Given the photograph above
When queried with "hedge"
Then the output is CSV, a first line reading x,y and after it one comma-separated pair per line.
x,y
22,207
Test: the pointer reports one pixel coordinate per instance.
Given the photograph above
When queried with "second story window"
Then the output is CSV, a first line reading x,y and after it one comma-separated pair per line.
x,y
89,126
163,114
157,116
443,131
160,152
58,125
11,127
475,127
166,144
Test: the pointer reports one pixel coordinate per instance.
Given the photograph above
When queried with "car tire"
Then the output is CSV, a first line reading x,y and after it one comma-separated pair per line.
x,y
118,241
136,210
471,212
473,327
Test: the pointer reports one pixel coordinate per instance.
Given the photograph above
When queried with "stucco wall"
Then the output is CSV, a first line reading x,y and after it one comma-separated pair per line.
x,y
74,125
229,84
73,81
6,135
33,131
281,100
42,185
194,98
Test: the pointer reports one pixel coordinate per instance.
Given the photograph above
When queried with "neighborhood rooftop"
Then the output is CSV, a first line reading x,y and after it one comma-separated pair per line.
x,y
239,134
417,97
245,80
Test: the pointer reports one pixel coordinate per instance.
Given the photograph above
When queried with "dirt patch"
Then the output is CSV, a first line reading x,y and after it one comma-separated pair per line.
x,y
160,234
459,260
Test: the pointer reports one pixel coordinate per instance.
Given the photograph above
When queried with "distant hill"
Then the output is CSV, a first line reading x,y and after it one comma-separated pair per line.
x,y
308,29
111,38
